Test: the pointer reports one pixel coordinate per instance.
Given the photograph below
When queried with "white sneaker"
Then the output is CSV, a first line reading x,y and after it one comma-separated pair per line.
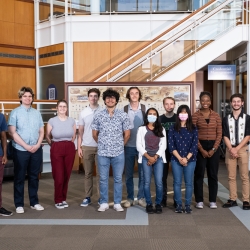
x,y
59,205
128,203
19,210
118,208
142,202
212,205
37,207
199,205
65,204
103,207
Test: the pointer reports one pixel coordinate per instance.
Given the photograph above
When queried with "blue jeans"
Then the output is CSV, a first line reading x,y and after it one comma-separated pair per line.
x,y
158,173
188,173
130,154
117,164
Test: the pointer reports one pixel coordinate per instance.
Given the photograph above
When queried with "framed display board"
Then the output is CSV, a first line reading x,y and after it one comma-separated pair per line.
x,y
152,94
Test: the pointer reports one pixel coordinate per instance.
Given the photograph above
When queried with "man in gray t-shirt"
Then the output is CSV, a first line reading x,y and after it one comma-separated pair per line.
x,y
87,146
136,112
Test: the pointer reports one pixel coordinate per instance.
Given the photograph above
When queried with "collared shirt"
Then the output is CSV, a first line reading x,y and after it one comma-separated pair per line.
x,y
3,127
136,120
110,137
225,127
28,123
85,119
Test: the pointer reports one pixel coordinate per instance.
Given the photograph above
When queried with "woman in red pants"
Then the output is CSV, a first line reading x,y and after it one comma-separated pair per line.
x,y
62,129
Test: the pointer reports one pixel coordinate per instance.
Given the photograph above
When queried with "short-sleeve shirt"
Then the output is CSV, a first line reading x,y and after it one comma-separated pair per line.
x,y
110,137
62,130
85,119
3,127
28,123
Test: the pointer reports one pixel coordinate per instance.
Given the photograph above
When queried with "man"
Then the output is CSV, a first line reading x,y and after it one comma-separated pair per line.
x,y
167,120
3,160
26,128
87,146
136,113
236,134
110,129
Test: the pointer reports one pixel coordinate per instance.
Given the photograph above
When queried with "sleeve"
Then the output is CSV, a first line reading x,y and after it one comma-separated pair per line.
x,y
140,145
225,128
162,144
126,122
218,131
195,118
3,124
12,119
95,123
81,120
50,122
171,144
194,144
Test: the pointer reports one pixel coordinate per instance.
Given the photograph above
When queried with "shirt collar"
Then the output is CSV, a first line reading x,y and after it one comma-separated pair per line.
x,y
23,107
240,115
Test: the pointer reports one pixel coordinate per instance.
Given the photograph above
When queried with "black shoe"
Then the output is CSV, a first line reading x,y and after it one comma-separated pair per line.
x,y
158,209
149,209
4,212
163,203
230,203
179,209
246,205
188,209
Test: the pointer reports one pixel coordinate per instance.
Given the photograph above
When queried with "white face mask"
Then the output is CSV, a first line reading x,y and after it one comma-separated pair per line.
x,y
183,117
151,118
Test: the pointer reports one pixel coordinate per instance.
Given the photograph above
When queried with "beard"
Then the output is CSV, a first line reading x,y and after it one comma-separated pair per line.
x,y
170,111
236,109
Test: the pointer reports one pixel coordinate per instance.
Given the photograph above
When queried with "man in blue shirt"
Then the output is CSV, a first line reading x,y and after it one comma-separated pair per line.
x,y
3,160
26,128
110,129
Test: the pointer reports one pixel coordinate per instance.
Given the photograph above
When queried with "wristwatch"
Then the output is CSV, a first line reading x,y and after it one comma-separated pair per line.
x,y
214,149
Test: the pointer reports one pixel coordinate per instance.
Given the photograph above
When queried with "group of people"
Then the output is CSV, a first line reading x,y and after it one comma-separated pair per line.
x,y
113,137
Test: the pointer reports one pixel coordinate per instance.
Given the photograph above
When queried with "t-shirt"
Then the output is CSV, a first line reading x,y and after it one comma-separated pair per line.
x,y
167,122
151,142
62,130
3,127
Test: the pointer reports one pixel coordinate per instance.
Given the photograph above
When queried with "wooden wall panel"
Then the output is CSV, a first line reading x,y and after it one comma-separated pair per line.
x,y
90,59
51,48
52,59
7,33
13,78
7,10
24,13
24,35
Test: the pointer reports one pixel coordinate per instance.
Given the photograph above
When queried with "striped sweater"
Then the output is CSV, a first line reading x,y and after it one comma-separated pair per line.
x,y
211,131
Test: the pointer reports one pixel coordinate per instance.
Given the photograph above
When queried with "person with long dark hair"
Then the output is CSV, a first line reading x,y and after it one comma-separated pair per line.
x,y
182,142
151,145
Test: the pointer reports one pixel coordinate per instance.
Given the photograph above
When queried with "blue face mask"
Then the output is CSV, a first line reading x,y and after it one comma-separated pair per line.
x,y
151,118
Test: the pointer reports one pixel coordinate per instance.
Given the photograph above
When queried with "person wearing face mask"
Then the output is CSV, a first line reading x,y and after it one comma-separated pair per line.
x,y
182,142
151,145
209,127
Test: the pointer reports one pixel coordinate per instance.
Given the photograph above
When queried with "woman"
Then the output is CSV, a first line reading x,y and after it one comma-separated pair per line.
x,y
209,127
62,151
182,142
151,145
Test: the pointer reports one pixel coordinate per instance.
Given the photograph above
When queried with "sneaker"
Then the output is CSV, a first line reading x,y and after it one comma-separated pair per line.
x,y
86,202
128,203
37,207
188,209
178,209
19,210
199,205
103,207
118,208
246,205
158,209
149,209
5,212
65,204
212,205
59,205
142,202
230,203
163,203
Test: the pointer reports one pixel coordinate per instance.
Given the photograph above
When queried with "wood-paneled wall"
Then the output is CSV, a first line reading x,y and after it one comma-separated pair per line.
x,y
51,59
93,58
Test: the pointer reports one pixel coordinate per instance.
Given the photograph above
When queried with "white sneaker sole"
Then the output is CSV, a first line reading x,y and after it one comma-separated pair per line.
x,y
119,210
102,210
20,212
39,209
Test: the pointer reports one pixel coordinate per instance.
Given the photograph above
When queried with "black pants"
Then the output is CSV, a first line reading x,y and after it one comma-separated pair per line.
x,y
212,165
165,175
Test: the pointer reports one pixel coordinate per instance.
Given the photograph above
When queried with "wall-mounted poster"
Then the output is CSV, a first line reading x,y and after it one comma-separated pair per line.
x,y
152,94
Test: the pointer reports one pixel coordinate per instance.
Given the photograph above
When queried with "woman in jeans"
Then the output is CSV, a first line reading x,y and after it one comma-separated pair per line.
x,y
209,127
151,145
182,142
62,151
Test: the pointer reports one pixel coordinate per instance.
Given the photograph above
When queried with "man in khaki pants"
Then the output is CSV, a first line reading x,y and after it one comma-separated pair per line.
x,y
236,133
87,146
